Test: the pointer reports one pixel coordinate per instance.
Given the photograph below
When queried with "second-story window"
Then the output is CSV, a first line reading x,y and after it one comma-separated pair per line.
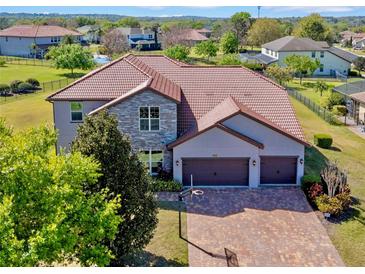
x,y
322,54
76,111
313,54
149,118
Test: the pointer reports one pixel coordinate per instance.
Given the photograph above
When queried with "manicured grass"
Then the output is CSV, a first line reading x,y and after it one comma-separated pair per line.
x,y
27,110
166,248
11,72
348,150
308,90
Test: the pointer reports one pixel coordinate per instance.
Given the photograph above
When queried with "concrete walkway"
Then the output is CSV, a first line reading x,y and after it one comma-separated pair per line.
x,y
256,227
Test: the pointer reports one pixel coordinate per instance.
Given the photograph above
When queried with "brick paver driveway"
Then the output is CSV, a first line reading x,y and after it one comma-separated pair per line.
x,y
263,227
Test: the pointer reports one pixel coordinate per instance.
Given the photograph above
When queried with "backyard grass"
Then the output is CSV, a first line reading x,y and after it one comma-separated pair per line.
x,y
10,72
348,150
307,88
27,110
166,248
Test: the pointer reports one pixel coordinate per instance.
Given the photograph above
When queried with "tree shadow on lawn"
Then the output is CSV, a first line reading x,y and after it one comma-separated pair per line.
x,y
75,75
148,259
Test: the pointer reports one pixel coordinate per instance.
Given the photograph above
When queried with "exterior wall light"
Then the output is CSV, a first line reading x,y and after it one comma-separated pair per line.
x,y
254,162
177,162
301,161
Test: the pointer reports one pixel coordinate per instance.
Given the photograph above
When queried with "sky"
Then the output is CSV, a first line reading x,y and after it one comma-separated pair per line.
x,y
195,11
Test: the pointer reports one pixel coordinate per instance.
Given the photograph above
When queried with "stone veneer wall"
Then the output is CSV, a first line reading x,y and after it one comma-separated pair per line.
x,y
128,117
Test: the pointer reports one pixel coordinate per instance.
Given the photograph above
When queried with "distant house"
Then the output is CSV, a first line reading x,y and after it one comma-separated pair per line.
x,y
143,38
354,93
90,33
206,32
353,38
32,41
333,60
192,36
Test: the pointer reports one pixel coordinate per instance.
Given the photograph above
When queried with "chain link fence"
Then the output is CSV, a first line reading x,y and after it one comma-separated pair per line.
x,y
320,111
26,61
56,84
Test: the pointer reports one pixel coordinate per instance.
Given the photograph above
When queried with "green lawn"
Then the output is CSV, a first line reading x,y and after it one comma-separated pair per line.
x,y
11,72
308,90
28,110
166,248
349,235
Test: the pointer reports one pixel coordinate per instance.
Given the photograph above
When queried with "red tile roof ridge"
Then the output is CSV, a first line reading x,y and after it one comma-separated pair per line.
x,y
88,75
176,62
137,67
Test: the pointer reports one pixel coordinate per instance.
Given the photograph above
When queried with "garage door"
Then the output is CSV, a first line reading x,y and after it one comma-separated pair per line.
x,y
216,171
278,170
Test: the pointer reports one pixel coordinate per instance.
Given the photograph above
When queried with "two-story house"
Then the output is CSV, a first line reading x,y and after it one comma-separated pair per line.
x,y
145,39
332,60
32,40
213,125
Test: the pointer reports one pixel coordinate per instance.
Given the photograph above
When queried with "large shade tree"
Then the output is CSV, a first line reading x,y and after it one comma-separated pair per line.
x,y
301,65
124,175
46,217
314,27
241,23
71,56
229,43
115,42
263,31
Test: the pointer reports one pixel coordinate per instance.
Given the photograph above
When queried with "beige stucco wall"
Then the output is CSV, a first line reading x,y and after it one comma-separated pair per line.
x,y
217,143
362,112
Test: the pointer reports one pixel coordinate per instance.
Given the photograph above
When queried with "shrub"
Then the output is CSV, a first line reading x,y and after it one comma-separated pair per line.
x,y
309,180
314,191
4,89
256,67
345,200
33,82
328,204
2,62
339,110
24,87
331,99
230,59
161,185
353,73
14,85
323,140
178,52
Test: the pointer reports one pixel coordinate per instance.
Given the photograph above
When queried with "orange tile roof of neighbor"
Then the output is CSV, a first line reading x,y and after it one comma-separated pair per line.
x,y
204,94
37,31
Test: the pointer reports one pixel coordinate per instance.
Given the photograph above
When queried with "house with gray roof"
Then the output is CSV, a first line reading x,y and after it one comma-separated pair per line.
x,y
145,39
333,60
354,93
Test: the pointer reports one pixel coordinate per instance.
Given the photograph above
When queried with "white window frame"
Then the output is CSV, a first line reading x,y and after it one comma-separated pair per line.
x,y
321,67
150,160
322,54
149,119
313,53
72,111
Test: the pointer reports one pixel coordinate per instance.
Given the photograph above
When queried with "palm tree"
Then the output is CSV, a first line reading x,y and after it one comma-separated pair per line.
x,y
321,86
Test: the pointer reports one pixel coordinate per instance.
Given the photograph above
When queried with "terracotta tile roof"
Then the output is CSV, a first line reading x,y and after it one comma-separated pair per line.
x,y
117,79
359,96
223,111
191,35
202,88
37,31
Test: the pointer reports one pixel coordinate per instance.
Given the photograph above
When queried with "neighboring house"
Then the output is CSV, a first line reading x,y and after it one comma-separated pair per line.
x,y
333,60
351,37
143,38
191,36
220,125
359,44
90,34
355,98
31,40
206,32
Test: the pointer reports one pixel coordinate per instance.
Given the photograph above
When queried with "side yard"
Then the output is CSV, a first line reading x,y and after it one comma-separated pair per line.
x,y
349,235
166,248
